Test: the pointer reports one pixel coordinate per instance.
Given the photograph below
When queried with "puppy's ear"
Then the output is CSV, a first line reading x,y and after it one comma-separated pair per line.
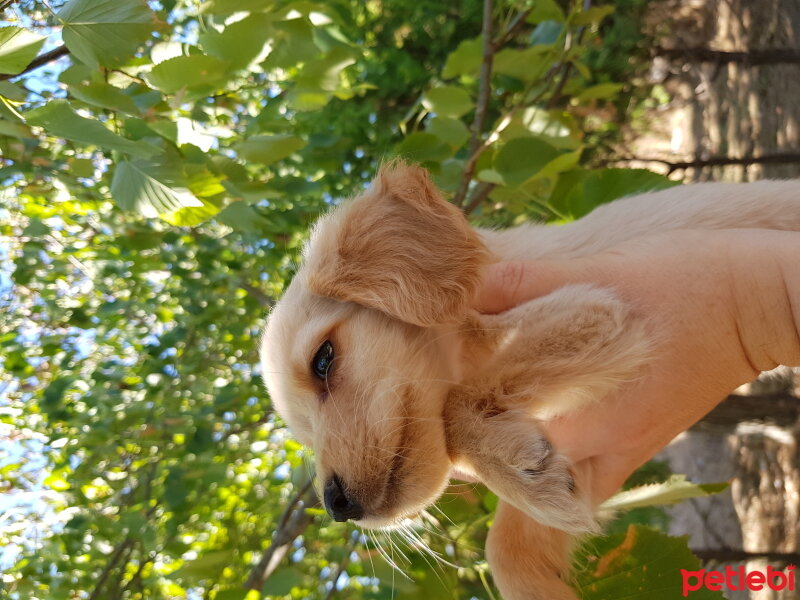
x,y
399,248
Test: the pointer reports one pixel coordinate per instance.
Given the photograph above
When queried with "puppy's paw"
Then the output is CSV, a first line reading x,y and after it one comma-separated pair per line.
x,y
508,452
522,467
563,349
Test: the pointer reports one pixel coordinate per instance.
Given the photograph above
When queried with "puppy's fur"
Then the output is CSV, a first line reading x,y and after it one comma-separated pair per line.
x,y
422,384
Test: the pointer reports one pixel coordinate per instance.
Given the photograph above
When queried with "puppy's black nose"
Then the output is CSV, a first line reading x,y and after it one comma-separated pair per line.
x,y
338,504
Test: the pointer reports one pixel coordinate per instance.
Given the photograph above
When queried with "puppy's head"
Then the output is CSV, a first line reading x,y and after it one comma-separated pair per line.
x,y
359,354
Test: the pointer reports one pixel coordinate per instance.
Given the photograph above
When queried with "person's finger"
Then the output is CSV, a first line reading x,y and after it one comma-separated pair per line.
x,y
507,284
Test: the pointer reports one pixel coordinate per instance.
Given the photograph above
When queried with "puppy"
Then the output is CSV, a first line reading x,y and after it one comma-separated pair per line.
x,y
376,360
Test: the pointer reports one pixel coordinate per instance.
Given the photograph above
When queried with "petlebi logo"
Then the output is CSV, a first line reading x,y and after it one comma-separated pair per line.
x,y
737,579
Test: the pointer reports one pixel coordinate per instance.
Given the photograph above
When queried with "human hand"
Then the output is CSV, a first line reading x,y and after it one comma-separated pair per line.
x,y
721,307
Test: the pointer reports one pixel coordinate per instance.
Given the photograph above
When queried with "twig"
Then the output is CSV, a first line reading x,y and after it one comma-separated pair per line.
x,y
137,576
342,566
513,29
128,75
566,69
481,193
112,562
293,522
39,61
256,293
484,93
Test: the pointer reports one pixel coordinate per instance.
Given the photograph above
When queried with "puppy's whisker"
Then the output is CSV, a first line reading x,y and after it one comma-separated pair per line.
x,y
389,559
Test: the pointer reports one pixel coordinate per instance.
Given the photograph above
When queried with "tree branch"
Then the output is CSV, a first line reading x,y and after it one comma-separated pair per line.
x,y
566,69
766,56
112,562
735,555
722,161
293,522
481,193
782,410
257,293
514,28
39,61
476,146
342,566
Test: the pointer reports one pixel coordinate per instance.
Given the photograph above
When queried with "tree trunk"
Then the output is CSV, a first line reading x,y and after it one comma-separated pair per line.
x,y
752,440
731,69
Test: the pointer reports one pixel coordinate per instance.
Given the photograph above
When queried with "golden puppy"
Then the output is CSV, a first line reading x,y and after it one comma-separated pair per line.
x,y
376,360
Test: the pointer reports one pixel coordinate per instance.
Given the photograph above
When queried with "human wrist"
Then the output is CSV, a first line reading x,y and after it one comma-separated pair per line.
x,y
765,290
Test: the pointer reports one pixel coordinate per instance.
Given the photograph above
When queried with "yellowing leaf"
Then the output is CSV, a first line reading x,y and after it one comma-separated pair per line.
x,y
151,188
641,564
675,489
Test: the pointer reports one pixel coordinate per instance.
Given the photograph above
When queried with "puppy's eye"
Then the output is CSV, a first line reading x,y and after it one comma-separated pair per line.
x,y
323,360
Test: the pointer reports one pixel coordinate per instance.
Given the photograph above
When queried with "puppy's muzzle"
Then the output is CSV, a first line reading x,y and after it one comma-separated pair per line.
x,y
339,505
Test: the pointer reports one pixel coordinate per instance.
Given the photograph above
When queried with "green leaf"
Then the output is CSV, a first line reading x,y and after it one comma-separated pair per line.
x,y
242,217
192,216
236,593
544,10
675,489
241,42
605,185
521,158
17,130
57,483
562,162
209,564
526,65
423,147
320,79
188,72
268,149
106,32
54,393
228,7
18,47
323,74
105,96
465,59
176,492
203,183
282,581
602,91
58,119
594,15
547,33
152,188
641,564
448,101
12,91
452,131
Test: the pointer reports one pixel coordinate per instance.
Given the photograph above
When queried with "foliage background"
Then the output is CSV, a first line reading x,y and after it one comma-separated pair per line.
x,y
161,163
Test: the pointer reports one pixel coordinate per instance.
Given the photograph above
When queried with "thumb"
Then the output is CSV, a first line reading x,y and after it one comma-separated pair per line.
x,y
505,285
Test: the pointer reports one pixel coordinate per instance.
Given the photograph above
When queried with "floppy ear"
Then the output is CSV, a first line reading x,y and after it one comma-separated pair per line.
x,y
399,248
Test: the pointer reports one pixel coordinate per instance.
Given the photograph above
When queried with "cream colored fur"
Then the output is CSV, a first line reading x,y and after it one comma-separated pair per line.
x,y
422,384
